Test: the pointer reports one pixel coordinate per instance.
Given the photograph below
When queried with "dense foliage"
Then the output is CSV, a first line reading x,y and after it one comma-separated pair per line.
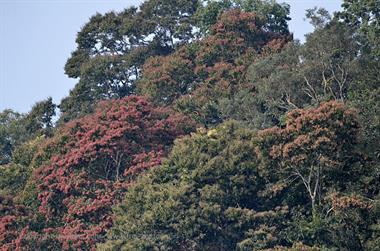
x,y
209,193
235,189
197,77
86,167
202,125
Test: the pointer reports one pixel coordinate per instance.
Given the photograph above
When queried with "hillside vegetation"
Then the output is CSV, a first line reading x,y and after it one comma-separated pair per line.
x,y
203,125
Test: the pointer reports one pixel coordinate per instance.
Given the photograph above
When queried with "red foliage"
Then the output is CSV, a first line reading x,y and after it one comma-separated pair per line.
x,y
166,78
92,162
235,34
343,203
222,58
11,217
328,129
316,145
197,75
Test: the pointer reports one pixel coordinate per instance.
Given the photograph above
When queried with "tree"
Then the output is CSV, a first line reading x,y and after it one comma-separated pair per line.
x,y
14,175
314,144
364,16
86,167
209,194
10,134
275,15
166,78
40,119
299,170
113,47
330,63
276,87
16,128
323,68
316,152
11,217
222,59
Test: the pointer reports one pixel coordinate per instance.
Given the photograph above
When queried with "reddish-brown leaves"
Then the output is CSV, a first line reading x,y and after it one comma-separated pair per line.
x,y
11,218
341,203
96,158
196,76
326,131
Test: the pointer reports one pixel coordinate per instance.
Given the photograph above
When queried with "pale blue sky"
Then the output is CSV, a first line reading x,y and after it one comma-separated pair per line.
x,y
37,37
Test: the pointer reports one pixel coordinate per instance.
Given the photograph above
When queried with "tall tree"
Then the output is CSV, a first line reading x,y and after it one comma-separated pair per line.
x,y
112,48
316,152
208,195
197,76
275,15
324,68
10,133
364,15
84,169
16,128
313,143
40,118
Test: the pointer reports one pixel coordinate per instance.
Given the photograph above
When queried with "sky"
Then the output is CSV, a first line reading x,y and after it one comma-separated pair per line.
x,y
38,36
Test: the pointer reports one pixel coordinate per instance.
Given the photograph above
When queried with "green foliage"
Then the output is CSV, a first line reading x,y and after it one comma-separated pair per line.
x,y
208,194
232,190
322,69
317,150
40,119
14,175
309,181
318,17
276,88
275,15
10,133
209,12
16,128
13,178
330,59
112,48
24,154
365,16
196,77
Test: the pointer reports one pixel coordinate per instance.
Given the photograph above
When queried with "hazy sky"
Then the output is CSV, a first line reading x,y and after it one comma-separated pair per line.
x,y
37,37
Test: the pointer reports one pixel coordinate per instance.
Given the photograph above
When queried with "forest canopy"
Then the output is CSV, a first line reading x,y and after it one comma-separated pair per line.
x,y
203,125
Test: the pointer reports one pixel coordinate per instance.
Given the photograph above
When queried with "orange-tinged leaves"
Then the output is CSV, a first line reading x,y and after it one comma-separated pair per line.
x,y
100,155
